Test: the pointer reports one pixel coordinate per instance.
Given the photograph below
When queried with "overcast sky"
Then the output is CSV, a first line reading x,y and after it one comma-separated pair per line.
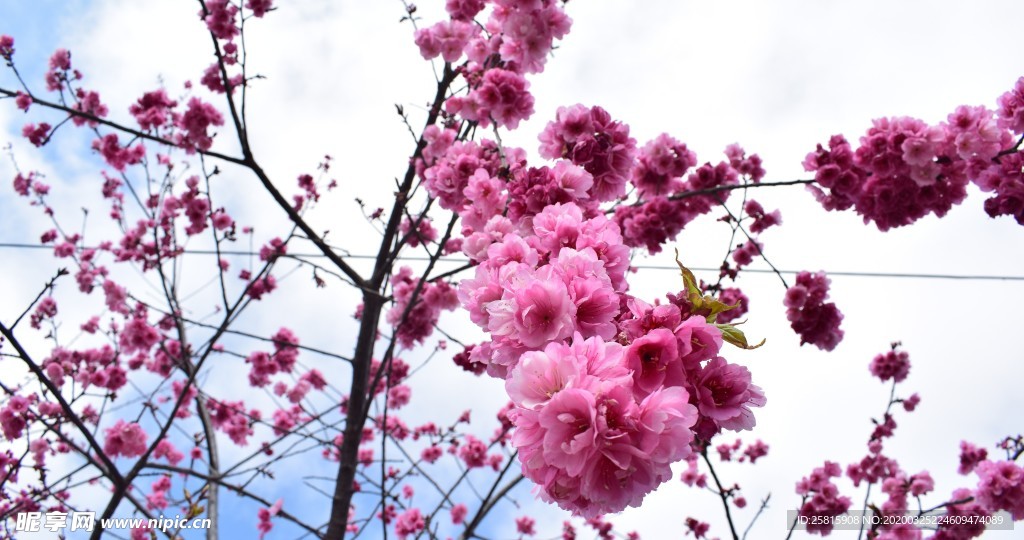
x,y
776,77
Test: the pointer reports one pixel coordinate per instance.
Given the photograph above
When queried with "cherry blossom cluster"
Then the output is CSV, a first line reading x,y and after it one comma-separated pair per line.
x,y
584,434
590,138
514,41
667,204
905,169
550,283
223,19
416,322
552,301
814,319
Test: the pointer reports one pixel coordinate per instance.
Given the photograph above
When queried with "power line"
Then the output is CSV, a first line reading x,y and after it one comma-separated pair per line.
x,y
965,277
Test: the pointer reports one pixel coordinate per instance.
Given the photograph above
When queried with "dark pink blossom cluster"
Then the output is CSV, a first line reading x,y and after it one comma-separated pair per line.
x,y
60,71
1004,180
966,518
748,166
654,222
898,488
126,439
264,365
591,139
117,156
165,449
415,323
658,219
88,102
409,523
502,97
420,232
515,41
264,515
464,10
900,173
446,39
231,418
6,47
660,166
1011,108
905,169
761,220
970,457
101,367
893,364
154,110
522,34
45,310
221,18
157,497
23,101
816,321
38,135
733,296
213,80
259,8
14,416
531,189
194,124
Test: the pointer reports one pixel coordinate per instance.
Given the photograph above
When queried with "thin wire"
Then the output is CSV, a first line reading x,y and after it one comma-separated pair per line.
x,y
972,277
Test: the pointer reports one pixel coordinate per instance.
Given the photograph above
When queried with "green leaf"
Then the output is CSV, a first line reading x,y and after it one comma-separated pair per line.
x,y
735,336
717,307
689,280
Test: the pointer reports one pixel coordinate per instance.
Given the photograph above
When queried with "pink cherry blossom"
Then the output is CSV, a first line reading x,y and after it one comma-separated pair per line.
x,y
125,439
725,394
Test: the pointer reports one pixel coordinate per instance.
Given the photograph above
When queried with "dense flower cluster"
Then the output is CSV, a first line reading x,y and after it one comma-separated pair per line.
x,y
1001,487
660,165
658,218
591,139
515,41
816,321
125,439
905,169
416,322
598,422
588,436
502,97
894,364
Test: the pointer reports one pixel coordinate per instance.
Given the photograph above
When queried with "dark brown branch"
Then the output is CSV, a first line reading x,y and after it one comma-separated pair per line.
x,y
373,304
721,493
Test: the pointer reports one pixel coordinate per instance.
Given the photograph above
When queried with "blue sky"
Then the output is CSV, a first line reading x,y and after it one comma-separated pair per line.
x,y
776,77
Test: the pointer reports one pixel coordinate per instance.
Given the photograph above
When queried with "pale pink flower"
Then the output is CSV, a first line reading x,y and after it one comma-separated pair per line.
x,y
542,374
544,312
